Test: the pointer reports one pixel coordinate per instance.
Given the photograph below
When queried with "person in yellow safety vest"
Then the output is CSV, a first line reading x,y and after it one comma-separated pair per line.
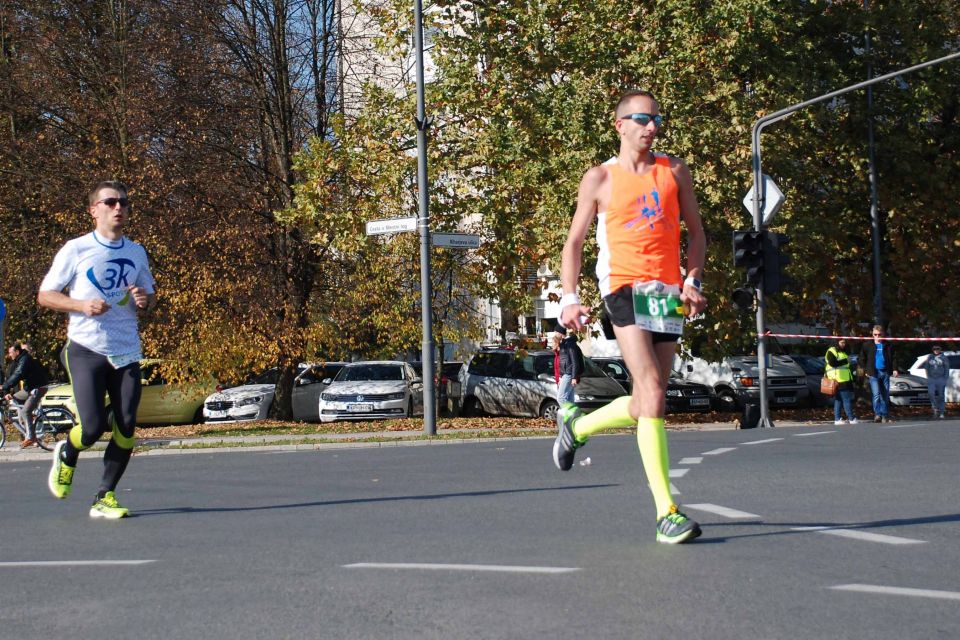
x,y
838,368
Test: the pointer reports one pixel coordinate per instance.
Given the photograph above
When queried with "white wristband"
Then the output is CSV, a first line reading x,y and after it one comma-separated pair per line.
x,y
568,299
693,282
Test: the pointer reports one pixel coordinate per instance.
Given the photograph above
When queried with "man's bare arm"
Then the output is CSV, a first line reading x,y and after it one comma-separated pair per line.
x,y
59,301
696,238
572,256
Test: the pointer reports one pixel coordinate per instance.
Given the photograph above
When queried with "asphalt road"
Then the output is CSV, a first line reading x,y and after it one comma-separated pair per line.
x,y
809,532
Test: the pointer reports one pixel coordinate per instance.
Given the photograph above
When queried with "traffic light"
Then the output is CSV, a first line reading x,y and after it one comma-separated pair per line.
x,y
774,259
748,253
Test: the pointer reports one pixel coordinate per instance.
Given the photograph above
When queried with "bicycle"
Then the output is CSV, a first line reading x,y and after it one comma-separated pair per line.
x,y
50,423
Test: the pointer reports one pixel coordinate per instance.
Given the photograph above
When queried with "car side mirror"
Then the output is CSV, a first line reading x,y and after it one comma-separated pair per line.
x,y
327,380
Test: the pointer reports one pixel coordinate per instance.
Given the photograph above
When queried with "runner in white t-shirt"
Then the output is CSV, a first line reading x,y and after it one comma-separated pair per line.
x,y
108,282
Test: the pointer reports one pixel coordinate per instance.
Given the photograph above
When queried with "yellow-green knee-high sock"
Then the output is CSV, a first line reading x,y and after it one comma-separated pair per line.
x,y
652,441
610,416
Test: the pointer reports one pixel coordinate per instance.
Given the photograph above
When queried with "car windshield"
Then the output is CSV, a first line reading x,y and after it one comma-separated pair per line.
x,y
591,370
270,376
370,372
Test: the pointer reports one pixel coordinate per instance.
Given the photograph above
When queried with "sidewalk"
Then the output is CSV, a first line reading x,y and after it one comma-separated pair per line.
x,y
148,445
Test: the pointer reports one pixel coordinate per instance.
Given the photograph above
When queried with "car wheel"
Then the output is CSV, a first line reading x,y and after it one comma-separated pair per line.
x,y
549,409
726,400
198,415
472,407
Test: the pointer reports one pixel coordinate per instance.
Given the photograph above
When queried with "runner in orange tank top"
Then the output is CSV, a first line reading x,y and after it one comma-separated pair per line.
x,y
639,201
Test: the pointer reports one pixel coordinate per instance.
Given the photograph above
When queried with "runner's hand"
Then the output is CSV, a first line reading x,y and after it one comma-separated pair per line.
x,y
694,300
95,307
139,297
573,316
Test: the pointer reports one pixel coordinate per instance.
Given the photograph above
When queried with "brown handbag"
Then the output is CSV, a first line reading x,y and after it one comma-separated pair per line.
x,y
828,386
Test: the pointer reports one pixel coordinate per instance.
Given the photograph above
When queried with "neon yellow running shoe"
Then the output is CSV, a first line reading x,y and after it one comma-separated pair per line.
x,y
108,507
60,479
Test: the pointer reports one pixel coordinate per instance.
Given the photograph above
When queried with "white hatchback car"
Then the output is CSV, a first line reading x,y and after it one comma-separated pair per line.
x,y
371,390
953,382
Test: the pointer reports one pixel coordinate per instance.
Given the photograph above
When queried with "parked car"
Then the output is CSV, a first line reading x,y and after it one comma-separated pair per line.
x,y
681,394
450,373
506,382
908,390
953,382
813,367
160,402
736,381
252,401
376,389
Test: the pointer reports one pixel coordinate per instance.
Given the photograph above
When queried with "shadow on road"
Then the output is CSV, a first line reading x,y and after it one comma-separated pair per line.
x,y
328,503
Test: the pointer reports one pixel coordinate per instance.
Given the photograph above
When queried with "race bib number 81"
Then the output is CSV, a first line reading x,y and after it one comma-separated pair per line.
x,y
656,308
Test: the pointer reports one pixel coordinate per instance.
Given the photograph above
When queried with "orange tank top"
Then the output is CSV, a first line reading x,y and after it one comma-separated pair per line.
x,y
639,233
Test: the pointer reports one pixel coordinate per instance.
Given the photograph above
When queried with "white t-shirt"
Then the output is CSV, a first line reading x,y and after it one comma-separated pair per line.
x,y
94,267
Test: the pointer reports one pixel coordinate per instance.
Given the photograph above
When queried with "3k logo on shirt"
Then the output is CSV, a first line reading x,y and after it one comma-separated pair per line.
x,y
114,280
650,210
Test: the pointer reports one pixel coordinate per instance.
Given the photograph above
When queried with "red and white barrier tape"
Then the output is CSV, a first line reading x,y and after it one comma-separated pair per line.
x,y
885,339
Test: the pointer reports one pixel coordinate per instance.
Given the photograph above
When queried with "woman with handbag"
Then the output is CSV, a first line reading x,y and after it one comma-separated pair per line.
x,y
838,371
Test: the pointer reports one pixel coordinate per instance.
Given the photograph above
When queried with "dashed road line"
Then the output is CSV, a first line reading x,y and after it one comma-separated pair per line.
x,y
815,433
866,536
691,460
763,441
898,591
426,566
726,512
73,563
678,473
716,452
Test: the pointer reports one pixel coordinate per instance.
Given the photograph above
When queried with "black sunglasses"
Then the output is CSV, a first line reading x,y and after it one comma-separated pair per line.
x,y
643,119
112,202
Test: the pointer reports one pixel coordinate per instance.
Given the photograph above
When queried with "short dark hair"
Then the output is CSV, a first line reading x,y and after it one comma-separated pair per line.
x,y
632,93
937,346
106,184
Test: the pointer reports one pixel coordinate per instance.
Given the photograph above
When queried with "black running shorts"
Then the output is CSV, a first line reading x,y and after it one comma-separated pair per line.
x,y
619,308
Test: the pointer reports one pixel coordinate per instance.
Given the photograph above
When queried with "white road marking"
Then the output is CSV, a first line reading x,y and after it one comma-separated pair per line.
x,y
693,460
74,563
716,452
678,473
763,441
460,567
866,536
899,591
726,512
902,426
674,490
815,433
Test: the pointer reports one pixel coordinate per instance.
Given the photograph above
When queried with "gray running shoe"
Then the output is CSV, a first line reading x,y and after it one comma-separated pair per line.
x,y
676,528
566,444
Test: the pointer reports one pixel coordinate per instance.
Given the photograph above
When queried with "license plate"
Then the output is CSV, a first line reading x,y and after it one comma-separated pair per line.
x,y
699,402
360,408
216,414
786,400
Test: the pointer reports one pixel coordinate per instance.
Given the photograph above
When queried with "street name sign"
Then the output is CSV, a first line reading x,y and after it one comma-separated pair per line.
x,y
456,240
393,225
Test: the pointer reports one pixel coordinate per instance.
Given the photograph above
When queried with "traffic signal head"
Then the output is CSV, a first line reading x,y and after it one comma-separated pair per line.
x,y
774,259
748,254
